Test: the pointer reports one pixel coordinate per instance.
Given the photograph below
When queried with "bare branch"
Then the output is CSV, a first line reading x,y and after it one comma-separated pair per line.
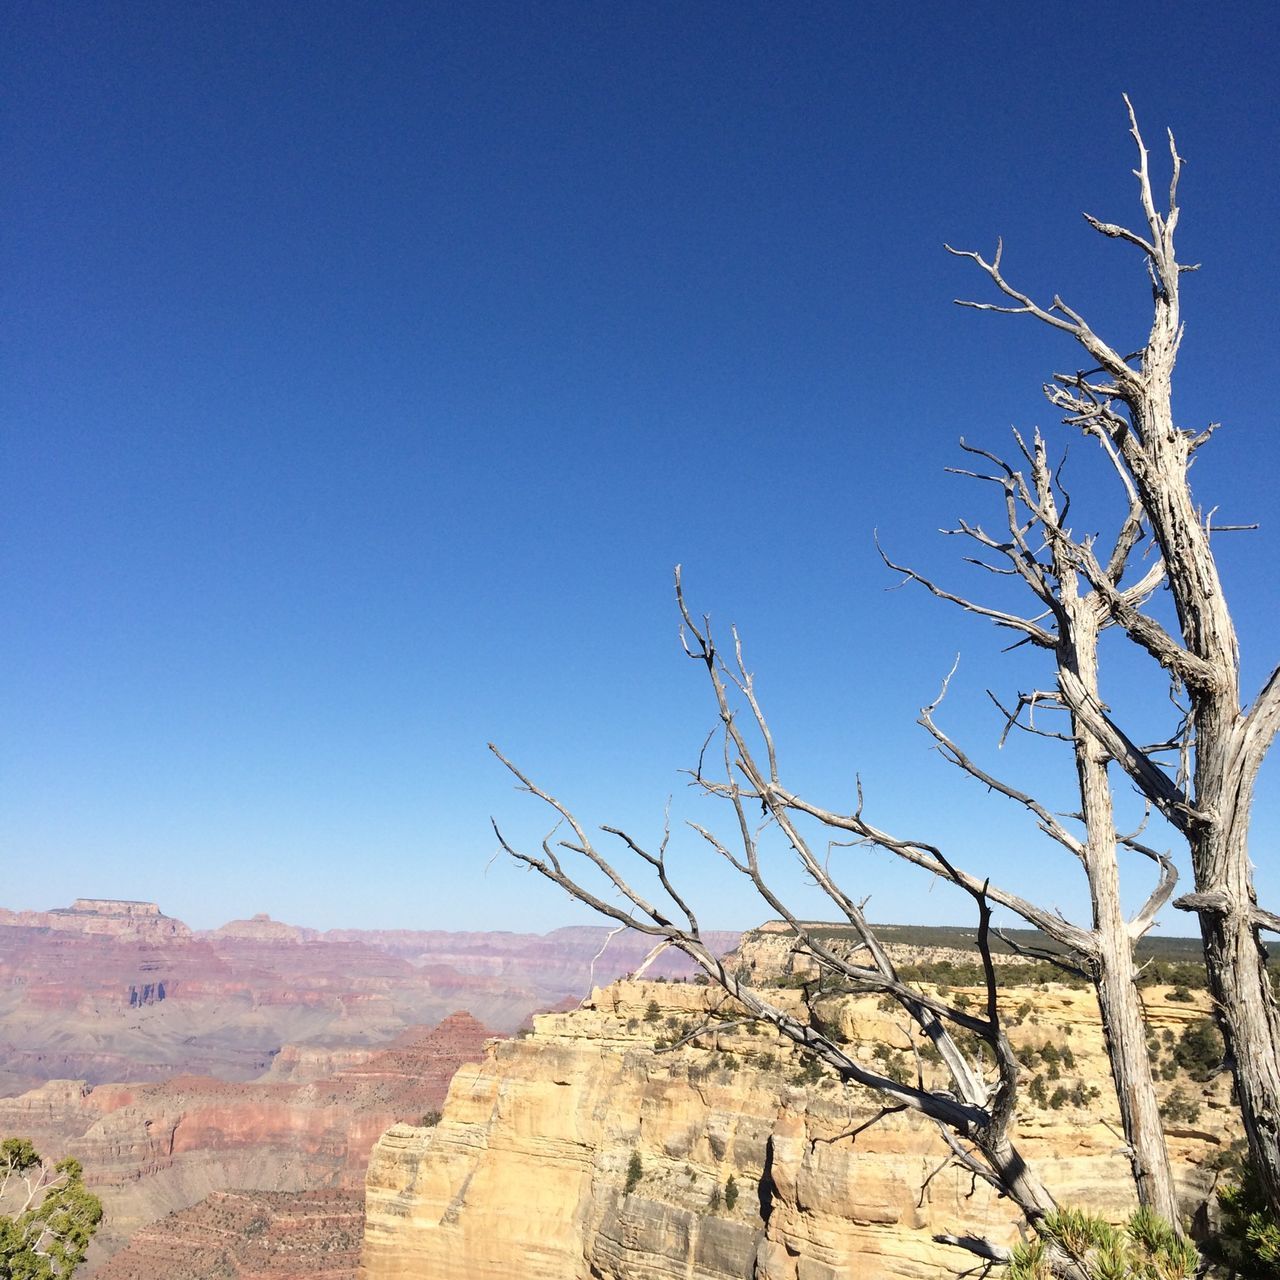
x,y
1057,315
1153,782
1030,701
1042,953
852,1134
1146,916
978,1246
1263,718
951,752
1035,633
1119,233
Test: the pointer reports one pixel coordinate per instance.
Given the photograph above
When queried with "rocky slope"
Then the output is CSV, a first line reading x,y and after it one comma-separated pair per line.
x,y
249,1235
152,1148
108,990
579,1152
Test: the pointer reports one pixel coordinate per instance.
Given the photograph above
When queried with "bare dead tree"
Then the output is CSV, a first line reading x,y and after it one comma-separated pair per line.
x,y
1217,744
975,1111
1037,550
1123,403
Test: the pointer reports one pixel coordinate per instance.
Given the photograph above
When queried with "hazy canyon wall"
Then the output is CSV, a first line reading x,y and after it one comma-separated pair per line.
x,y
107,991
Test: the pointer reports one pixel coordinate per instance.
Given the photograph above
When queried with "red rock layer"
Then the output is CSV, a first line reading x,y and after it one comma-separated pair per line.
x,y
148,1149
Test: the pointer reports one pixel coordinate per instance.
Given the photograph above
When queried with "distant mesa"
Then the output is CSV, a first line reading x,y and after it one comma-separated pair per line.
x,y
112,907
110,917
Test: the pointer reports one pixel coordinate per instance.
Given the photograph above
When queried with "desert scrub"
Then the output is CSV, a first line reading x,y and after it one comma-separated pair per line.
x,y
1248,1239
1145,1248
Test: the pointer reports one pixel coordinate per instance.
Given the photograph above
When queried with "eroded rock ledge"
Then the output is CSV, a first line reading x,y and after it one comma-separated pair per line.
x,y
527,1172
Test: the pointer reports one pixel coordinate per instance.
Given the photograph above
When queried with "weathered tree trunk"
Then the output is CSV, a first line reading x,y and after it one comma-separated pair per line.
x,y
1126,1038
1227,758
1239,984
1152,455
1123,1025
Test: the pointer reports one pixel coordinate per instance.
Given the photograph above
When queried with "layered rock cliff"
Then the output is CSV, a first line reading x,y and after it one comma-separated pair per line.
x,y
580,1153
150,1149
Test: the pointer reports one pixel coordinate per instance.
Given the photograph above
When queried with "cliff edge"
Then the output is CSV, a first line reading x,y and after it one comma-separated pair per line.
x,y
583,1153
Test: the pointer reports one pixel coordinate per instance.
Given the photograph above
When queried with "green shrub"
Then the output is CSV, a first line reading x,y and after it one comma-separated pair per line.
x,y
652,1012
731,1193
1248,1239
1083,1094
48,1238
808,1074
1162,973
1179,1108
1199,1050
1145,1247
635,1171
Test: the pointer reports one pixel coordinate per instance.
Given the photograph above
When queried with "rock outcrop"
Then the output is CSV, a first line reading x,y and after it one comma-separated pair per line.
x,y
580,1152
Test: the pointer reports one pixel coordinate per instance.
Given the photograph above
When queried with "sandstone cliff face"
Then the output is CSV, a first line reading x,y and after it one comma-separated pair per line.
x,y
527,1173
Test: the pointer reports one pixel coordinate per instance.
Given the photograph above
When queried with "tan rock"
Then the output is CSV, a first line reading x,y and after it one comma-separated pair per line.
x,y
526,1173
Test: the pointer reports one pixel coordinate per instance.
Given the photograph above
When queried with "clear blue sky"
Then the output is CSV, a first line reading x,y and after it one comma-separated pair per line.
x,y
368,368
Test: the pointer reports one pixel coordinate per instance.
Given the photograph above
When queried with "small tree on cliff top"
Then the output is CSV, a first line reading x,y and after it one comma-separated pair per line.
x,y
1199,776
48,1216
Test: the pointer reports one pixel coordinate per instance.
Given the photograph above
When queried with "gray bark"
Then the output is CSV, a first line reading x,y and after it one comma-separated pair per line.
x,y
1129,412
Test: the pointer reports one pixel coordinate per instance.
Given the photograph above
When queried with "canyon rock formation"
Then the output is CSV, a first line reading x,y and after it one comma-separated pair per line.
x,y
107,990
150,1149
581,1152
249,1235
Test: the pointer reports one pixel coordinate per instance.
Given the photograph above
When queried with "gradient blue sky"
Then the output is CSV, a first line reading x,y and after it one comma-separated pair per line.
x,y
369,368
